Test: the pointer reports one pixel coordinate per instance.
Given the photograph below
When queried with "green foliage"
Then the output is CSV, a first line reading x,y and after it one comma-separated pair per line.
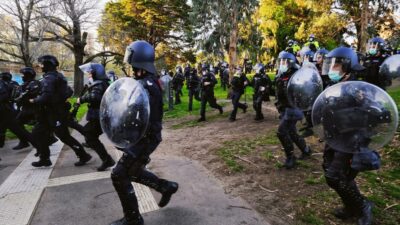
x,y
156,21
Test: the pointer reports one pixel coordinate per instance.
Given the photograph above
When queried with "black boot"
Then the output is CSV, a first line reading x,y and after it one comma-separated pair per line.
x,y
127,221
245,108
42,162
366,214
168,188
306,153
290,161
105,164
202,119
344,213
21,145
83,160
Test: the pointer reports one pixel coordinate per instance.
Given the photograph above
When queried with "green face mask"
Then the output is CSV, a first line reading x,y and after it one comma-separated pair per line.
x,y
334,76
372,51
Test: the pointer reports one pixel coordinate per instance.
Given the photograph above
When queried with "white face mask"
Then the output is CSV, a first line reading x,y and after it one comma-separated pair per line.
x,y
204,73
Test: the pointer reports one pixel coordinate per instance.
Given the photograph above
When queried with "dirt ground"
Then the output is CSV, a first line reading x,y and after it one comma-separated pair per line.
x,y
297,196
267,188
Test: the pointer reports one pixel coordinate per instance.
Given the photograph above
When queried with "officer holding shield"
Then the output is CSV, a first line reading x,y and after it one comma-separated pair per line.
x,y
131,167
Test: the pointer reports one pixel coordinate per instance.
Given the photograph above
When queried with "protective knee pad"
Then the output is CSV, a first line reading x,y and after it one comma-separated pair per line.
x,y
137,166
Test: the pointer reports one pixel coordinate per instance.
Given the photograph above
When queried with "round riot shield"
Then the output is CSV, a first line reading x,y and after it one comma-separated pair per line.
x,y
124,112
391,67
353,115
304,87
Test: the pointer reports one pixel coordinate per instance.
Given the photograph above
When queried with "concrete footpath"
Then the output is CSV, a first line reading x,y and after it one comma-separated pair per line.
x,y
67,195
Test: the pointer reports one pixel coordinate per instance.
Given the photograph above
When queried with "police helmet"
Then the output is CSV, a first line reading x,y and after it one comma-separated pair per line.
x,y
140,55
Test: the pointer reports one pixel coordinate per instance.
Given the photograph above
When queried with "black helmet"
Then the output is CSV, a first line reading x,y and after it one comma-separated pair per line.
x,y
205,67
140,54
48,62
343,56
97,70
290,43
28,73
178,69
6,76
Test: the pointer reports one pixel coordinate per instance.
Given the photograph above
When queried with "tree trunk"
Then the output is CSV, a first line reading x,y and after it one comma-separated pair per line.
x,y
362,34
233,43
78,74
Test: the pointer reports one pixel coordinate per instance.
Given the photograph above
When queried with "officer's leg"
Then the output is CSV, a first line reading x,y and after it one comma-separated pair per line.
x,y
340,177
76,126
287,143
19,130
93,131
212,101
40,133
241,105
298,140
307,129
259,106
190,99
62,132
203,108
140,175
122,183
177,97
235,100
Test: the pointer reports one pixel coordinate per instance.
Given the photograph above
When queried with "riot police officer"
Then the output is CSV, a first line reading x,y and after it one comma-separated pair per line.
x,y
373,60
248,66
207,83
53,113
177,83
340,65
225,76
12,89
93,97
292,47
312,43
262,88
29,89
167,91
287,131
319,60
193,85
8,114
238,84
131,166
112,76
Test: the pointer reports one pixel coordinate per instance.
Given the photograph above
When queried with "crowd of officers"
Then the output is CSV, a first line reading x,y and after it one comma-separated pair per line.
x,y
354,66
43,103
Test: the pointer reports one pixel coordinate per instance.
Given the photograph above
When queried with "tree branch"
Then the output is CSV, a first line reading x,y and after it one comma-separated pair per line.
x,y
10,53
102,54
9,61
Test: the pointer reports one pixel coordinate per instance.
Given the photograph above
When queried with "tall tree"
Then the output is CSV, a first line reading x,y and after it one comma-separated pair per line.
x,y
217,25
20,20
366,16
67,27
156,21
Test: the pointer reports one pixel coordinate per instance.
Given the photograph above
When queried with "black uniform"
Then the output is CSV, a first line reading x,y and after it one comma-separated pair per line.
x,y
177,84
262,85
207,94
225,78
93,128
131,166
338,172
8,115
287,131
371,73
53,116
193,85
238,83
